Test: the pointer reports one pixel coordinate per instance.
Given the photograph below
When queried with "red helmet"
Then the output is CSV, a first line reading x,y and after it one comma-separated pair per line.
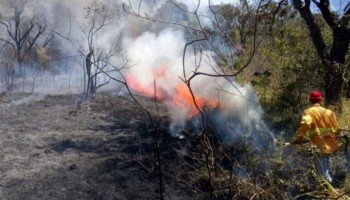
x,y
316,95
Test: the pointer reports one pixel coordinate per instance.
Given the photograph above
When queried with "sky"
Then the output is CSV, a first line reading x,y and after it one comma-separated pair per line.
x,y
339,5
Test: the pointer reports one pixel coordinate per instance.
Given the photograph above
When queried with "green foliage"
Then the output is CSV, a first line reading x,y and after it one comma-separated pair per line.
x,y
285,68
292,62
344,117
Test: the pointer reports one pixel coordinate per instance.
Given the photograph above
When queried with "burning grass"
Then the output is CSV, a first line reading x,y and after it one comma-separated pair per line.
x,y
214,169
110,139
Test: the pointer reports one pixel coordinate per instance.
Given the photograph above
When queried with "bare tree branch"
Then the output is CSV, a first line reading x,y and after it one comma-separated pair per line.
x,y
314,29
157,20
324,6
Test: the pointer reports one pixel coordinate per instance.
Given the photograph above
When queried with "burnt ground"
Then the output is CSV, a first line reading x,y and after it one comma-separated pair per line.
x,y
104,151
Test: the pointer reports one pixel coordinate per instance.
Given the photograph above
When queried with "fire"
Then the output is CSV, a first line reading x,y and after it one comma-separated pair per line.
x,y
180,95
150,90
184,99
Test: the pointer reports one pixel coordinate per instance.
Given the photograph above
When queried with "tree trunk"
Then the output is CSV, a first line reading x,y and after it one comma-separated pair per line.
x,y
341,41
333,60
347,90
88,64
333,85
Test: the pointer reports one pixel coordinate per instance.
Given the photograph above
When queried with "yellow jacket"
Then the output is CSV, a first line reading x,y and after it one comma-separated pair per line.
x,y
319,125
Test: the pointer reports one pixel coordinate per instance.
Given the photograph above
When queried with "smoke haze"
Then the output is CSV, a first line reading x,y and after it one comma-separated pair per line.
x,y
156,61
240,115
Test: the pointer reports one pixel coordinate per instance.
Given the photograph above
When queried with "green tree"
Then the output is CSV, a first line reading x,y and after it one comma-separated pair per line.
x,y
289,66
332,55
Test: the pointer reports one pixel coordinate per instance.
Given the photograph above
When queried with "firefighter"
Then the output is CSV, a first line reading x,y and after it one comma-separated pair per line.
x,y
319,126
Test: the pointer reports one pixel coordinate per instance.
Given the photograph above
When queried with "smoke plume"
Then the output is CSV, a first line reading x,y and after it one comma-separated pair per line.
x,y
157,67
157,62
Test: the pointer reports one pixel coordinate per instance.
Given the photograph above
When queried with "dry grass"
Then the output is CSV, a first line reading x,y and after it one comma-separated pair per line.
x,y
116,127
344,118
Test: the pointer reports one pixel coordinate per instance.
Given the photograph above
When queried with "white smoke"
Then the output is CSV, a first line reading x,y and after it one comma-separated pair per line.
x,y
239,116
148,52
156,59
203,5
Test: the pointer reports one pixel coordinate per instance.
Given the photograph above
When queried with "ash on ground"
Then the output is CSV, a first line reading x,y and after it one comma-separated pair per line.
x,y
50,149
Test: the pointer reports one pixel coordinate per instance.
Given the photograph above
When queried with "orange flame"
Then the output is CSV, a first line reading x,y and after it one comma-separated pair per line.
x,y
146,90
181,97
184,99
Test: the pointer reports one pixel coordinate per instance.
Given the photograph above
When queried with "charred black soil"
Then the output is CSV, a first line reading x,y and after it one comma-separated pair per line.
x,y
106,151
103,151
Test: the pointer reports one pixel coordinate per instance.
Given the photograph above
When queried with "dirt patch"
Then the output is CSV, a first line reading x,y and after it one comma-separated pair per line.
x,y
49,152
